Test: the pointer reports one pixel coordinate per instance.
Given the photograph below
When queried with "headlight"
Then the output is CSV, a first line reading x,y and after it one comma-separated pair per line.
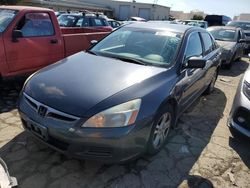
x,y
118,116
246,89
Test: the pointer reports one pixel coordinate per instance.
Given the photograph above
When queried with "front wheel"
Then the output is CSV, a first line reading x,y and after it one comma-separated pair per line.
x,y
163,122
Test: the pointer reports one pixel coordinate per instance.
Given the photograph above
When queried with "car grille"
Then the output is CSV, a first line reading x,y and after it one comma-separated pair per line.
x,y
244,114
51,113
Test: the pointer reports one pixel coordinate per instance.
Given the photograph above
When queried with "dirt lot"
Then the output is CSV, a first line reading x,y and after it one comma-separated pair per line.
x,y
200,153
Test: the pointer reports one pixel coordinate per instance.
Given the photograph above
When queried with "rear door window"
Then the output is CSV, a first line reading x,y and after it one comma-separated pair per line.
x,y
208,43
36,25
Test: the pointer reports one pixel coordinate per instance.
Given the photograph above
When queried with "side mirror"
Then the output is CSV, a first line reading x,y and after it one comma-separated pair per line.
x,y
16,34
196,63
93,42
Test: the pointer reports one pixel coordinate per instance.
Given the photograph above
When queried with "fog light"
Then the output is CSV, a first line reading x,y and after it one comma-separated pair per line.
x,y
241,119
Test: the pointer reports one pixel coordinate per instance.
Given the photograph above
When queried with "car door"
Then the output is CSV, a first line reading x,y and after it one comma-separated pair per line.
x,y
192,78
212,56
39,46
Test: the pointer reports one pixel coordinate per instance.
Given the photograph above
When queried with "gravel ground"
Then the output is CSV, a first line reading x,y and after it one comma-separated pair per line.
x,y
200,153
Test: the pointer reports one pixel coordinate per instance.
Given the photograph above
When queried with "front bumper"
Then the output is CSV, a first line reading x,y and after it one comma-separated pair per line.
x,y
239,118
103,144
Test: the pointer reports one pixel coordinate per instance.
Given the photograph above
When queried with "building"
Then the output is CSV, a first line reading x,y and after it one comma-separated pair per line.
x,y
180,15
73,5
242,17
121,10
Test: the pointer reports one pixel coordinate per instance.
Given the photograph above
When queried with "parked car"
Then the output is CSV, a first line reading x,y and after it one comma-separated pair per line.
x,y
245,25
113,23
239,119
232,40
217,20
30,38
120,98
83,20
198,23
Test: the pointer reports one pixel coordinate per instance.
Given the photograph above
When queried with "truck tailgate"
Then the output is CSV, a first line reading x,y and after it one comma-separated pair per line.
x,y
80,41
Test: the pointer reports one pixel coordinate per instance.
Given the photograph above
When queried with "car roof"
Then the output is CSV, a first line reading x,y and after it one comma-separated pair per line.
x,y
224,27
19,8
162,26
81,15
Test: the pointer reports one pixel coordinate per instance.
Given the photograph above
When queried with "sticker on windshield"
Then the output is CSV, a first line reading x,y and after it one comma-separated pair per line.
x,y
166,33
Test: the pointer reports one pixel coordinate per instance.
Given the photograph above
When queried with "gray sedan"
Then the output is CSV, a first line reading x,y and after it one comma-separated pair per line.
x,y
240,114
233,42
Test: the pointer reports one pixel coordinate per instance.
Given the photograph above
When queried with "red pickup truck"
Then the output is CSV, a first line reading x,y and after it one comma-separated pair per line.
x,y
30,38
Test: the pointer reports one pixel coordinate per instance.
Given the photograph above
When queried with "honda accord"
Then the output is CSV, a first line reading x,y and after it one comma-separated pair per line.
x,y
120,98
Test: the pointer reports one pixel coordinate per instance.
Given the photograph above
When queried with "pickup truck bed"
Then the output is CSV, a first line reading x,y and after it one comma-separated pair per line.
x,y
33,39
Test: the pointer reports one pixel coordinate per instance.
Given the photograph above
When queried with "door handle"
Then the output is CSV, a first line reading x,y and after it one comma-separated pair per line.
x,y
54,41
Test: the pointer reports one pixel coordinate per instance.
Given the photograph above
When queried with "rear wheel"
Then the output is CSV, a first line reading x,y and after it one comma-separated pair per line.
x,y
163,122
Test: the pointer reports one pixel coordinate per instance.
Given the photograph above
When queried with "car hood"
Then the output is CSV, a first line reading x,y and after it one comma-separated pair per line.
x,y
78,83
227,45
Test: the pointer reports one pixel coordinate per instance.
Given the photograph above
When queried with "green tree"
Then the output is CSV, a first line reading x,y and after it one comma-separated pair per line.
x,y
9,2
197,17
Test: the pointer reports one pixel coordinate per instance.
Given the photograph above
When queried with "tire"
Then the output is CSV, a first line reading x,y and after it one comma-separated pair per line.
x,y
229,65
210,87
234,132
160,130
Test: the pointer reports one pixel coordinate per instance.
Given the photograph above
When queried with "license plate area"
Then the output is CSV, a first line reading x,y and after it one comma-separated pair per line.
x,y
38,130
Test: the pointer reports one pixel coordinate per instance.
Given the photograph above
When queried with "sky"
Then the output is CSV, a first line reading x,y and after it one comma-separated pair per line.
x,y
225,7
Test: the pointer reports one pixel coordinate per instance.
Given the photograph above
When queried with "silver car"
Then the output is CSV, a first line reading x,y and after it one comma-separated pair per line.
x,y
239,119
233,42
245,25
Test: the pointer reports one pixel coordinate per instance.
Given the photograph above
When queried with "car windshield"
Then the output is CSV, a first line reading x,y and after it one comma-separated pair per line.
x,y
242,25
67,20
150,47
6,16
224,34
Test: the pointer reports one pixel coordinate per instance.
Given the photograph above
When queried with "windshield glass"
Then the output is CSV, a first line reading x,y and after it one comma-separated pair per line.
x,y
151,47
6,16
224,34
242,25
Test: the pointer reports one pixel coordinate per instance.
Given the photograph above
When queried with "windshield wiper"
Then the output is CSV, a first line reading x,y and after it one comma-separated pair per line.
x,y
91,52
131,60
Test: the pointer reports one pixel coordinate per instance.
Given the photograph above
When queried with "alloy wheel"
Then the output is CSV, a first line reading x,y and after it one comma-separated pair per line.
x,y
161,130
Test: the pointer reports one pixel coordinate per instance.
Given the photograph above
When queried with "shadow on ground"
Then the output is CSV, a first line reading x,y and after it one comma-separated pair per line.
x,y
237,69
36,165
9,91
241,145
